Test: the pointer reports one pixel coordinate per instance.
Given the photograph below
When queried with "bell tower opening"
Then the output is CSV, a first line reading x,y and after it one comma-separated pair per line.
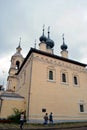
x,y
17,64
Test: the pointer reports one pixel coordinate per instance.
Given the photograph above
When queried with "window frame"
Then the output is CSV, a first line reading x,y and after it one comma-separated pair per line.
x,y
64,78
51,76
81,108
75,80
52,70
64,73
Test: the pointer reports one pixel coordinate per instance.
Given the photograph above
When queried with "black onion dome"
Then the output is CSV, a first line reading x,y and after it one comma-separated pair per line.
x,y
43,38
64,46
49,42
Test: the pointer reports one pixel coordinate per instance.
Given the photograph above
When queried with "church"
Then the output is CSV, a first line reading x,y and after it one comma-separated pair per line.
x,y
43,82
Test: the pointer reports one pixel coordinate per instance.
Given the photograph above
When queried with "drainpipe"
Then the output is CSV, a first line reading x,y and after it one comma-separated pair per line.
x,y
29,89
1,100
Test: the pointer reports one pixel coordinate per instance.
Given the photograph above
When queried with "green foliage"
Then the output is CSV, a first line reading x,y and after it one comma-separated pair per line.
x,y
16,116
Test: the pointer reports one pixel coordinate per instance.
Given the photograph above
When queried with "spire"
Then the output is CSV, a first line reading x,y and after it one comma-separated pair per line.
x,y
35,44
63,39
63,46
43,29
49,32
19,46
20,42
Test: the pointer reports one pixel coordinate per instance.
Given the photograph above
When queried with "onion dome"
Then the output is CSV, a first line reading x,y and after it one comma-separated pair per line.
x,y
43,38
64,46
49,42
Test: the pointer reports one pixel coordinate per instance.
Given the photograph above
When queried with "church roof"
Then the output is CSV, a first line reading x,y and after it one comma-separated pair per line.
x,y
33,50
10,95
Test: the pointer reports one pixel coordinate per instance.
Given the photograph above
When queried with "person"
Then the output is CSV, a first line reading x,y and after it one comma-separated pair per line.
x,y
46,119
51,118
21,120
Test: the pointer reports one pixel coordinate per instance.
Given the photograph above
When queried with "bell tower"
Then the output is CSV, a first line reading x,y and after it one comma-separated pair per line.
x,y
16,61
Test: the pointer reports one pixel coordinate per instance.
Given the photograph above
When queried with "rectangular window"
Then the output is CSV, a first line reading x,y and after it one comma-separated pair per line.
x,y
75,80
63,77
50,75
81,108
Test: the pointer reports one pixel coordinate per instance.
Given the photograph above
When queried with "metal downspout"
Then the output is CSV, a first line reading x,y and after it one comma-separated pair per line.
x,y
29,89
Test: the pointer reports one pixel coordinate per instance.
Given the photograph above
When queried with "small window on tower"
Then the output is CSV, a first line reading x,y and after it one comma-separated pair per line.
x,y
17,64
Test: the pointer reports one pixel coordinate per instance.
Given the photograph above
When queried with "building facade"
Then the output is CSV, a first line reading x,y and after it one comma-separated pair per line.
x,y
46,82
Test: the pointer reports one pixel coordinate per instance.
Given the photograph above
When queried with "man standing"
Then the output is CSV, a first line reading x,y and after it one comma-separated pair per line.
x,y
21,120
51,118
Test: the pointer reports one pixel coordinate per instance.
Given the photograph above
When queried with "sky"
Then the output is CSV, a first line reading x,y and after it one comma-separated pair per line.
x,y
25,19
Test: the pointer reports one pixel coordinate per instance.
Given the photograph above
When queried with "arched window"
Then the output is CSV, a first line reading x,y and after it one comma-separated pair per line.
x,y
75,80
17,64
63,77
50,75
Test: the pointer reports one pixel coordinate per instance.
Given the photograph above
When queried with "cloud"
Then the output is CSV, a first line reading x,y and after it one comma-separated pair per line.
x,y
4,68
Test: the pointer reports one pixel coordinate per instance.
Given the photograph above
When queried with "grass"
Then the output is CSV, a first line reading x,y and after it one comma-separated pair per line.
x,y
38,126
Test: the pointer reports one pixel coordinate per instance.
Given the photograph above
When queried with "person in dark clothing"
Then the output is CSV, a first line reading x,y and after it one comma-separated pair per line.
x,y
51,118
21,120
46,119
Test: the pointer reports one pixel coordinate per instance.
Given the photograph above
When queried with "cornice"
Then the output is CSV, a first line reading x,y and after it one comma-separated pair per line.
x,y
55,57
58,63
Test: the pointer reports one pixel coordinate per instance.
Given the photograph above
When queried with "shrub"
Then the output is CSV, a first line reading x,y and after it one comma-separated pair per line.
x,y
16,116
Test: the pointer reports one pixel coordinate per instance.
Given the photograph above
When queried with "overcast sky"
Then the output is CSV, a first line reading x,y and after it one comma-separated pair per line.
x,y
25,19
